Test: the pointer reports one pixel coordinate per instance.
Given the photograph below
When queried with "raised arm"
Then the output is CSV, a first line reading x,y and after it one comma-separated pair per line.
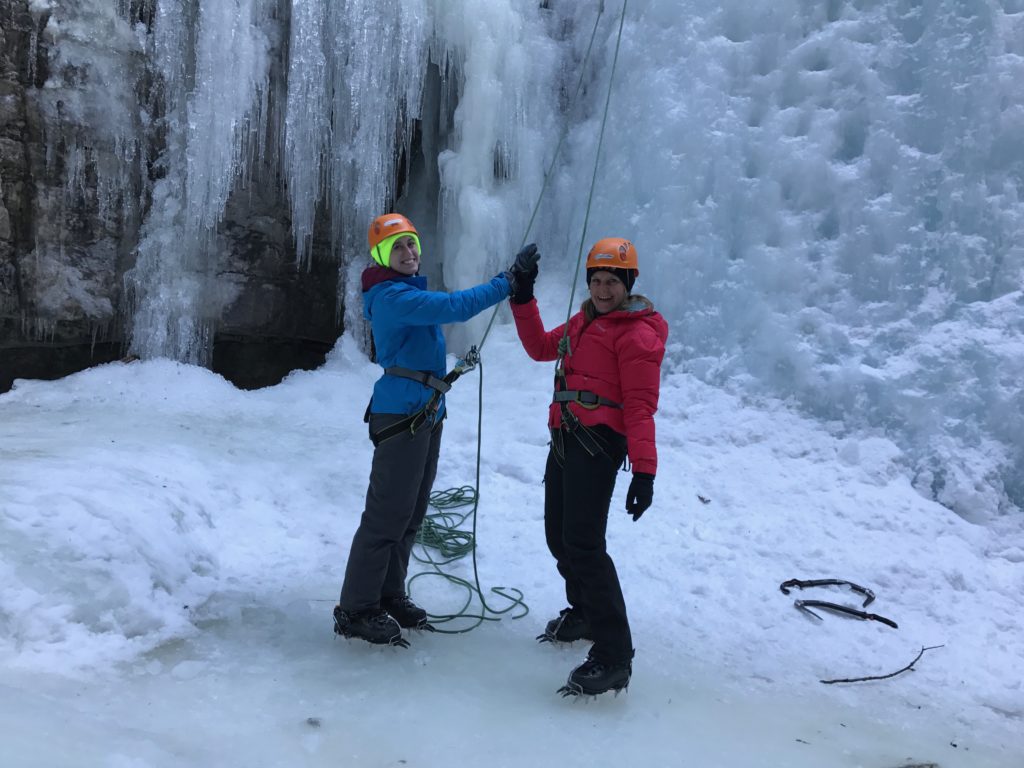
x,y
437,307
538,343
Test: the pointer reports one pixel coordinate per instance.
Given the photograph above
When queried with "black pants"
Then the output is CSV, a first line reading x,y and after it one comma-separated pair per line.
x,y
401,477
578,492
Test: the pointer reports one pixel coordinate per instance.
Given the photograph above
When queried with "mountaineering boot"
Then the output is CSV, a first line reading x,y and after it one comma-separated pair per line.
x,y
374,625
594,677
571,625
405,612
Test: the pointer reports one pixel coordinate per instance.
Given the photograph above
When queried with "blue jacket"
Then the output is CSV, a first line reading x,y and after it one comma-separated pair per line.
x,y
406,320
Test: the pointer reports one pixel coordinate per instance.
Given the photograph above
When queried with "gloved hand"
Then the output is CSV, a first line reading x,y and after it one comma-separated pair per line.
x,y
640,494
523,273
526,259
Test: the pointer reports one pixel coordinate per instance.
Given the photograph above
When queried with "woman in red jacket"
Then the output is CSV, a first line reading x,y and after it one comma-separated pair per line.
x,y
606,394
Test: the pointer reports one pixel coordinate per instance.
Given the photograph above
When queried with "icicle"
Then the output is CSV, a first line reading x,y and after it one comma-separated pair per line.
x,y
231,71
307,120
37,9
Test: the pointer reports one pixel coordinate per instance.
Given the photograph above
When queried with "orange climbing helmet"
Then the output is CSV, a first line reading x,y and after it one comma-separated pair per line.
x,y
384,231
613,253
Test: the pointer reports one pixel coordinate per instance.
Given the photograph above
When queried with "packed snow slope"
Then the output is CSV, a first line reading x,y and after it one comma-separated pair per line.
x,y
172,548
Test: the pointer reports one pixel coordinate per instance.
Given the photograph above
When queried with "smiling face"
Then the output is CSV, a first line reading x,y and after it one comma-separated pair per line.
x,y
606,291
405,256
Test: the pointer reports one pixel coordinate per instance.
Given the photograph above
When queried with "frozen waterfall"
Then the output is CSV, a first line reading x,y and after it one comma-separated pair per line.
x,y
828,198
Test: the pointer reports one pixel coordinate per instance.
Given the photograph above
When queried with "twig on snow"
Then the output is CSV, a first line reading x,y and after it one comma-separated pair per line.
x,y
883,677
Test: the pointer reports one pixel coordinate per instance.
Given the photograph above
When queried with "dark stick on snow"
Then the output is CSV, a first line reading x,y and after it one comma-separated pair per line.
x,y
883,677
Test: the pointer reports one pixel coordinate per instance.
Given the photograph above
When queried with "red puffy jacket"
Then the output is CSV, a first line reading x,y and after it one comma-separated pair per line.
x,y
617,356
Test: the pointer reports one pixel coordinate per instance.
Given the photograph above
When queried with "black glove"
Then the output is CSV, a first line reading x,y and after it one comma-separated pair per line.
x,y
522,274
640,494
526,259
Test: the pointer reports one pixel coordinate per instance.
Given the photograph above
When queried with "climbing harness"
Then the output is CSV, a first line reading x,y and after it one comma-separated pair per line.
x,y
423,377
584,398
591,441
428,413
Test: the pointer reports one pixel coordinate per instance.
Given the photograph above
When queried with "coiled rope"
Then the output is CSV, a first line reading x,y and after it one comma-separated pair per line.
x,y
441,530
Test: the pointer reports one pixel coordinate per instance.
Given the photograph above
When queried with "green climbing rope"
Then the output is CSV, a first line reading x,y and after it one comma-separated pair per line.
x,y
441,530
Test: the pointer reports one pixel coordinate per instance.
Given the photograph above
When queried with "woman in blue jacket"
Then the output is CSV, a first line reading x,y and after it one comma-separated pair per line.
x,y
405,417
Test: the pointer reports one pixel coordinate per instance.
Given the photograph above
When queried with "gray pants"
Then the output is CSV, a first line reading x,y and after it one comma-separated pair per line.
x,y
401,477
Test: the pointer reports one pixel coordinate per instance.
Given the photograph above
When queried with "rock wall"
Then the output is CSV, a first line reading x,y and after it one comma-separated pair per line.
x,y
18,69
71,205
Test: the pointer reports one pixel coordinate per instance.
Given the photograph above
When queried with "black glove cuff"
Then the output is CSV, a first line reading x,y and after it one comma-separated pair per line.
x,y
522,288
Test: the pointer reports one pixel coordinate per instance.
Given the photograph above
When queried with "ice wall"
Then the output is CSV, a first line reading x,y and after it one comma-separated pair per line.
x,y
827,199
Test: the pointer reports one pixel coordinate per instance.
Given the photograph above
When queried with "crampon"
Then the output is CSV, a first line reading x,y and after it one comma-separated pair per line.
x,y
374,626
592,678
569,626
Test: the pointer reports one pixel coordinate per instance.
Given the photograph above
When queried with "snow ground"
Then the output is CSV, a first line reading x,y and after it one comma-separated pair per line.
x,y
172,548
